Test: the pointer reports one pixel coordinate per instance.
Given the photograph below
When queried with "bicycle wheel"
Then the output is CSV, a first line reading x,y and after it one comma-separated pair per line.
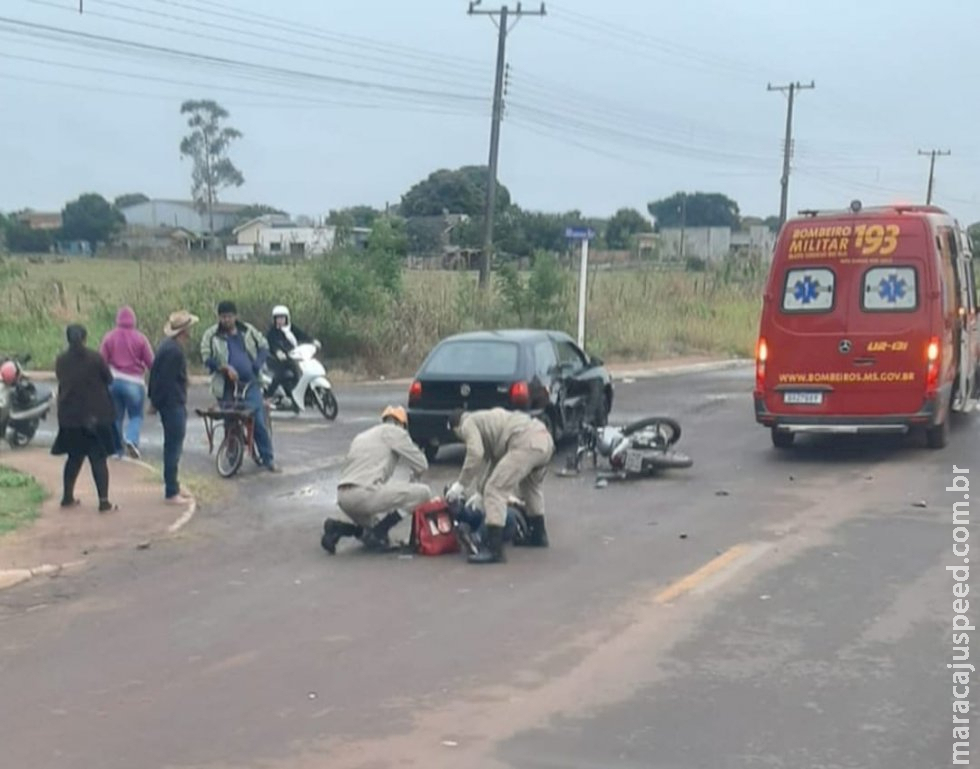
x,y
231,452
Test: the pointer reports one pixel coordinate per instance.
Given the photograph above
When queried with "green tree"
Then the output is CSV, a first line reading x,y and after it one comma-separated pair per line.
x,y
973,232
387,248
22,239
462,191
354,216
699,209
130,199
626,223
207,147
91,218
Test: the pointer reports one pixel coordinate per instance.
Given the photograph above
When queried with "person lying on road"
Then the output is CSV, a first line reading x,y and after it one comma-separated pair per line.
x,y
506,452
365,490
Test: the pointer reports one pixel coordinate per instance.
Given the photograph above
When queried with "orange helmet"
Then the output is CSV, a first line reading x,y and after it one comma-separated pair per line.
x,y
397,413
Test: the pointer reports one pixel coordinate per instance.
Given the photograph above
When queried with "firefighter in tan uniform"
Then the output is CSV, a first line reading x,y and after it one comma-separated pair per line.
x,y
365,489
506,452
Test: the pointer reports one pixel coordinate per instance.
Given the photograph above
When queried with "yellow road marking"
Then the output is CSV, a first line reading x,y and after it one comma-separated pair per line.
x,y
695,578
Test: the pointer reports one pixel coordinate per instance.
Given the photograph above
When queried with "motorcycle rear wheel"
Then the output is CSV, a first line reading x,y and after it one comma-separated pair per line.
x,y
669,460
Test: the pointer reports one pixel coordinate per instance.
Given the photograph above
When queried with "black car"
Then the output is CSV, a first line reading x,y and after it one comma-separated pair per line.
x,y
541,372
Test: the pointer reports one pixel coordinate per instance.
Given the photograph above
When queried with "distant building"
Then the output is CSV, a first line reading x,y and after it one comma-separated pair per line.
x,y
710,244
182,214
277,235
39,220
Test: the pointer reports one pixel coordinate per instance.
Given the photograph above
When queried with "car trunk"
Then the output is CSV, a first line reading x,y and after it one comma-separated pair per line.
x,y
441,393
867,355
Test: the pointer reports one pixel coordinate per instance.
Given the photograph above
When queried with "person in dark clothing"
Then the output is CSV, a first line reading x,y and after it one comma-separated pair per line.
x,y
86,415
283,337
234,352
168,397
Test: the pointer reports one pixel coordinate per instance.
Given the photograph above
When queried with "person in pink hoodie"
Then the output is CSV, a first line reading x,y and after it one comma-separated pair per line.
x,y
130,356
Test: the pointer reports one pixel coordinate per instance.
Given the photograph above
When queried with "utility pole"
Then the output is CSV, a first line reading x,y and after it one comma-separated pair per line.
x,y
792,88
933,154
501,18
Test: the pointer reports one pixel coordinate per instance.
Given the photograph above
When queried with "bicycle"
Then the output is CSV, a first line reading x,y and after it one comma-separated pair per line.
x,y
238,423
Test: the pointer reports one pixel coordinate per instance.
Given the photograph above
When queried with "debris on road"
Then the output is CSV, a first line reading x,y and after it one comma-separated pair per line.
x,y
450,743
920,503
683,536
144,545
721,493
601,483
764,597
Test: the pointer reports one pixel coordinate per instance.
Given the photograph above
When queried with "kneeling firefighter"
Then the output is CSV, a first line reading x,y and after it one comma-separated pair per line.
x,y
506,452
366,492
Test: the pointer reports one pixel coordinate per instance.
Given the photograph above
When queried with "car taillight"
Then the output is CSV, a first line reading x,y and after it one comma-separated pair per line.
x,y
415,392
932,366
520,394
761,356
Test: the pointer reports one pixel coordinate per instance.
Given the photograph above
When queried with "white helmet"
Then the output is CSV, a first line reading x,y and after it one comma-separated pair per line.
x,y
280,309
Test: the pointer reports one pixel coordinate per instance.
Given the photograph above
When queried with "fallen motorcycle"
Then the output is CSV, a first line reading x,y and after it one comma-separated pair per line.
x,y
638,449
22,406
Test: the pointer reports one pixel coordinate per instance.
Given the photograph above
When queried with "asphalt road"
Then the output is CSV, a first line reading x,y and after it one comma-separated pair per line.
x,y
761,609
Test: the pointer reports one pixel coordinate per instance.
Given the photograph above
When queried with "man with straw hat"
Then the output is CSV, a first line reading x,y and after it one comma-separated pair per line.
x,y
168,397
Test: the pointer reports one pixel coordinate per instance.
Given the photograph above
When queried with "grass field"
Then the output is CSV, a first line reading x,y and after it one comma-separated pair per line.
x,y
634,315
20,500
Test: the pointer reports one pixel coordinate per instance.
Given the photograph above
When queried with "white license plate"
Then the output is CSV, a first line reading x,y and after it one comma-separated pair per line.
x,y
634,462
809,399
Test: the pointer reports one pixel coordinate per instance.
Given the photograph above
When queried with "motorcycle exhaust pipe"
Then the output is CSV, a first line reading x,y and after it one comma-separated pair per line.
x,y
34,412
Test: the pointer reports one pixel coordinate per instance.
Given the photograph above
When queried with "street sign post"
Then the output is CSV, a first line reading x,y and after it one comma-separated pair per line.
x,y
584,235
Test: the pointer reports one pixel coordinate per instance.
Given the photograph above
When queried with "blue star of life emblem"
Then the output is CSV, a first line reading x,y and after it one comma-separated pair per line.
x,y
892,288
806,290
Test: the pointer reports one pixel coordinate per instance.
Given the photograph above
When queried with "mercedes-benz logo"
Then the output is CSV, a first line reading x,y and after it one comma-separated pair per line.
x,y
844,347
464,390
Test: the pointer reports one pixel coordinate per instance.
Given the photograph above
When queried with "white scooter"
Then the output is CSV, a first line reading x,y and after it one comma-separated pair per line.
x,y
313,389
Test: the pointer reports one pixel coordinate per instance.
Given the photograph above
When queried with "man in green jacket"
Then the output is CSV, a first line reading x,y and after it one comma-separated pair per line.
x,y
234,352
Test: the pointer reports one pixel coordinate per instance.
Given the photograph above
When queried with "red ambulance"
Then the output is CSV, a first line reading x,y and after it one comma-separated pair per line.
x,y
869,325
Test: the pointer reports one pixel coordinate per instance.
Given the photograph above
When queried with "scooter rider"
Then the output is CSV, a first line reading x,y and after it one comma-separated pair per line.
x,y
283,337
506,451
365,489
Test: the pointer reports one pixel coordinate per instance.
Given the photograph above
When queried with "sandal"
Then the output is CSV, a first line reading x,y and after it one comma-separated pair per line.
x,y
71,502
105,506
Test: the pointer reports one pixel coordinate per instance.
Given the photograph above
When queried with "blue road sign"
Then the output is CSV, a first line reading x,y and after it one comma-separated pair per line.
x,y
579,233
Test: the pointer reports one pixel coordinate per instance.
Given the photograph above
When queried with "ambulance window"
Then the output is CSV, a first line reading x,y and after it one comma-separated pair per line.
x,y
810,289
890,289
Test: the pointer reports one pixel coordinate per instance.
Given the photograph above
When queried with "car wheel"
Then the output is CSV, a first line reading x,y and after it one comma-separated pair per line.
x,y
549,422
782,439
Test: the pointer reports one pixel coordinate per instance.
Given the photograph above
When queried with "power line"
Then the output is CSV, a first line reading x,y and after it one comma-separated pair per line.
x,y
406,70
501,18
42,30
788,146
932,155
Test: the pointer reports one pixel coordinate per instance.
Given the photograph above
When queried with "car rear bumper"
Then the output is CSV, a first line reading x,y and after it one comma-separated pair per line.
x,y
836,424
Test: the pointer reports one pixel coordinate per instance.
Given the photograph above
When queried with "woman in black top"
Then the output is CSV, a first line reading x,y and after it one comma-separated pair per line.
x,y
85,416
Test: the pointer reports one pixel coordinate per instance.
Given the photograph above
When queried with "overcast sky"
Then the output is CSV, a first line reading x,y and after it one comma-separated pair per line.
x,y
609,104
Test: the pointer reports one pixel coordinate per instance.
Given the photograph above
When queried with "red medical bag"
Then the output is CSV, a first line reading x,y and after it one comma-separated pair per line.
x,y
433,529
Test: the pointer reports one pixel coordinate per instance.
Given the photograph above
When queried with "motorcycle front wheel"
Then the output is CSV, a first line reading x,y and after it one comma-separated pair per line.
x,y
326,402
21,434
669,428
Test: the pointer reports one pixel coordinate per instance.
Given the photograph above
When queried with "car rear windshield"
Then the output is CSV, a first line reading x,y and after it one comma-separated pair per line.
x,y
474,359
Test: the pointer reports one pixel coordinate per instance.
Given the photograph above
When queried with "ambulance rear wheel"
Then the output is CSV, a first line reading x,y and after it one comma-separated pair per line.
x,y
781,439
937,437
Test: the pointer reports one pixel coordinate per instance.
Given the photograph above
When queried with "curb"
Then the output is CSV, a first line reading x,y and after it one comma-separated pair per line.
x,y
692,368
185,517
13,577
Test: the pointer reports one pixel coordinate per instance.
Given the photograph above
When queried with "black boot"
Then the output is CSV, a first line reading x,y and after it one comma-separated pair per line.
x,y
333,531
381,528
491,551
538,535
